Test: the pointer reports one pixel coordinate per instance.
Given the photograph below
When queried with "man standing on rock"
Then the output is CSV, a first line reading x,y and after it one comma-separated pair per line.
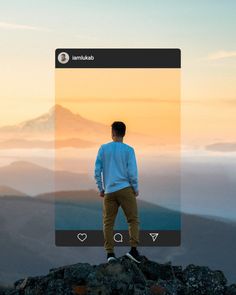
x,y
116,176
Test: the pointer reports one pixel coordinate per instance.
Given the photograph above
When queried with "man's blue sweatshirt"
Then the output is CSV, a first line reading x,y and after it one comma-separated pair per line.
x,y
115,167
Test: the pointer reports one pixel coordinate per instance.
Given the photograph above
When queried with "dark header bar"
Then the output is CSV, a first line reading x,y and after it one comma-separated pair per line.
x,y
117,58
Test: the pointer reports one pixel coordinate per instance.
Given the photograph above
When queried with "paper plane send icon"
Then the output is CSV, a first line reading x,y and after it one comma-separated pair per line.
x,y
154,236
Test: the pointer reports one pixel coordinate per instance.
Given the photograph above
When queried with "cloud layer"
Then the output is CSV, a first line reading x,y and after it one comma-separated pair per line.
x,y
14,26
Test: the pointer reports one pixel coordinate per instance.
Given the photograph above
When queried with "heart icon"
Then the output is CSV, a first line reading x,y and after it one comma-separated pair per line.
x,y
82,237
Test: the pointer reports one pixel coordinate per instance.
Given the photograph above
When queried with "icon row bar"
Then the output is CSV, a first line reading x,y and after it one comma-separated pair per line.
x,y
121,238
118,237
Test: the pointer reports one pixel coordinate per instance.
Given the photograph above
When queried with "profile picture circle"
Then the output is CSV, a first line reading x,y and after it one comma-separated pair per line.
x,y
63,57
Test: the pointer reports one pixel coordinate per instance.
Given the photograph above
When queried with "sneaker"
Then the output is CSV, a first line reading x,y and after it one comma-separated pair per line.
x,y
111,257
134,255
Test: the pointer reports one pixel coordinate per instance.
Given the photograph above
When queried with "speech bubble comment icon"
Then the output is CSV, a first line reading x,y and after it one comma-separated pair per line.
x,y
118,237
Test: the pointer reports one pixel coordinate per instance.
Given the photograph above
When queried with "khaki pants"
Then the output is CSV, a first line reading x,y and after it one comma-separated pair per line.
x,y
112,201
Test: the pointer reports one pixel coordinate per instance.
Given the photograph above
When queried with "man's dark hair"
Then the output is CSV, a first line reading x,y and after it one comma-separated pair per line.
x,y
119,128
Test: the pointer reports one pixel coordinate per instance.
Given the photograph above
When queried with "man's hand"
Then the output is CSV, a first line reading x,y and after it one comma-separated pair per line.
x,y
136,193
101,193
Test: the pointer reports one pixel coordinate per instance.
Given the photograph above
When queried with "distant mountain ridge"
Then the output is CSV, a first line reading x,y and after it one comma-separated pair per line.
x,y
42,180
9,191
58,123
61,125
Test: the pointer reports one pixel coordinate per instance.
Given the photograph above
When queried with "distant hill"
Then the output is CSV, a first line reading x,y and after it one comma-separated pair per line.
x,y
9,191
222,147
34,179
70,196
27,236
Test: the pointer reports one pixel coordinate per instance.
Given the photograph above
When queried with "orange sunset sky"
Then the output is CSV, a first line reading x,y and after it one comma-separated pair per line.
x,y
148,100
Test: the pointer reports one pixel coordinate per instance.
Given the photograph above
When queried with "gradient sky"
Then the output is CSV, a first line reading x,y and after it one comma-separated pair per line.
x,y
204,30
147,100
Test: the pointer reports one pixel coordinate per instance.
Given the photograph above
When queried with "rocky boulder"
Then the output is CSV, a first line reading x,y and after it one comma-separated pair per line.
x,y
125,277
